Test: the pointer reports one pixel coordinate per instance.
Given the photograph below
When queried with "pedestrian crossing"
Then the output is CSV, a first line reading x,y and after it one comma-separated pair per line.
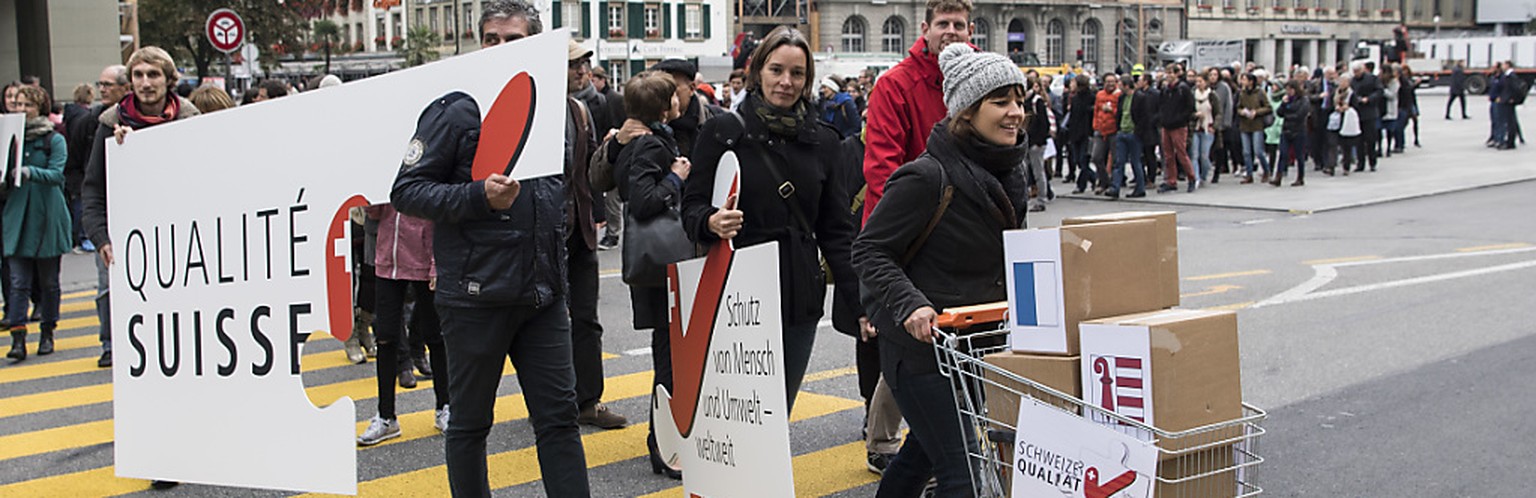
x,y
56,428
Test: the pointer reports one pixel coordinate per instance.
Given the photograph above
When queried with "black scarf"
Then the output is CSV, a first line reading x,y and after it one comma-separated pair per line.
x,y
782,122
994,170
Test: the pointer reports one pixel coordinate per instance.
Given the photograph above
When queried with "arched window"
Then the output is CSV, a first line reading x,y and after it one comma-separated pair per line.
x,y
891,35
981,34
1055,43
1090,46
853,34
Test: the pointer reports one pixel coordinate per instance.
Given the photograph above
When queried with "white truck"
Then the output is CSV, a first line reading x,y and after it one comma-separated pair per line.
x,y
1200,54
1433,58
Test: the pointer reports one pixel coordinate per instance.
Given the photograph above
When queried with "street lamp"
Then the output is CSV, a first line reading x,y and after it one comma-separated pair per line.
x,y
1437,25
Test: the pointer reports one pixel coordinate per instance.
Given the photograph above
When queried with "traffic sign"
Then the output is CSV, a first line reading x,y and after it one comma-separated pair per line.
x,y
226,31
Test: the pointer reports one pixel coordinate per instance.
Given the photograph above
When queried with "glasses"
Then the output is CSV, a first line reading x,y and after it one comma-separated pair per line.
x,y
581,63
100,84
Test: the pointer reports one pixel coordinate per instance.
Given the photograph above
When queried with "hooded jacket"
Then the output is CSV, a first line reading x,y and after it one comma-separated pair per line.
x,y
906,101
404,247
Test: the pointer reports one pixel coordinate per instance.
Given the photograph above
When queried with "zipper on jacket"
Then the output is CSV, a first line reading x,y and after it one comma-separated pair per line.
x,y
394,250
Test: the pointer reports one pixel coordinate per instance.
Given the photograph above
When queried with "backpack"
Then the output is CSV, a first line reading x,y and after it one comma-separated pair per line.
x,y
1522,87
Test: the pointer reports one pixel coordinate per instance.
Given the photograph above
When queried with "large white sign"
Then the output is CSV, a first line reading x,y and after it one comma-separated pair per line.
x,y
729,411
12,129
229,234
1060,454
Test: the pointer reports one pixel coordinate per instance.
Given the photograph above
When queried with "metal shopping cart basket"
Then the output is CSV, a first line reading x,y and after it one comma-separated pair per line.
x,y
1200,465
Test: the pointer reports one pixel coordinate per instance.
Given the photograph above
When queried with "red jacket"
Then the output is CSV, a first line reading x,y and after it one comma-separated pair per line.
x,y
404,250
1106,121
903,107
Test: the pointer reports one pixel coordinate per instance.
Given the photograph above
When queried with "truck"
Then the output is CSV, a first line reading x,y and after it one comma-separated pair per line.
x,y
1433,59
1200,54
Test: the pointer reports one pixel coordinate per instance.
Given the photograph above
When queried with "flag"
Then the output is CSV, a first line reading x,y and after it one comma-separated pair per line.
x,y
1035,302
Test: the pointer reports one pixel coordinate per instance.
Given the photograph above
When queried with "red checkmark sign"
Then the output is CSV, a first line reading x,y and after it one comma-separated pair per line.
x,y
504,132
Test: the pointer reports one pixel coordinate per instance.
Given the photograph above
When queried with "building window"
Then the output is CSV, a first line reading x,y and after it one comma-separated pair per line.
x,y
433,18
1228,4
652,21
419,15
1090,46
853,34
1418,8
1456,9
981,34
615,20
694,21
469,23
618,70
1055,41
891,35
571,15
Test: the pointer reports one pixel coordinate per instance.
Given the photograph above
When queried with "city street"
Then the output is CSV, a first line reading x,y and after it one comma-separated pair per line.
x,y
1385,321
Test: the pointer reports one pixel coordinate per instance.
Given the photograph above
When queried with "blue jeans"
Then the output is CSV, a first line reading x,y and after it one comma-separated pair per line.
x,y
1293,150
1253,151
1508,124
1200,143
1128,150
24,270
538,341
937,444
1495,116
103,303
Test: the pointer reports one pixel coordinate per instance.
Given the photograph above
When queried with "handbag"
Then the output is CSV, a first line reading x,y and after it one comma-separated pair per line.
x,y
650,245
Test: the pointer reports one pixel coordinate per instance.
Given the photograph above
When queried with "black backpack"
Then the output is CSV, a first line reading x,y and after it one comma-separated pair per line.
x,y
1522,87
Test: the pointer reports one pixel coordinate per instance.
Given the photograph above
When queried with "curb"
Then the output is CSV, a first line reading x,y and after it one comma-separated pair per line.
x,y
1296,211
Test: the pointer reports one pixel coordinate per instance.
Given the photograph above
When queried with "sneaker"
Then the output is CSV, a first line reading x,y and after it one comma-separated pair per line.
x,y
598,416
379,430
105,361
878,461
441,420
1136,195
423,368
407,379
1166,188
354,350
163,485
87,245
608,242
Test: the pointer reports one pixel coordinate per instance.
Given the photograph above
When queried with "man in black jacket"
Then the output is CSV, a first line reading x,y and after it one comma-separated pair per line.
x,y
1135,122
1367,101
1512,93
1175,109
1458,90
501,284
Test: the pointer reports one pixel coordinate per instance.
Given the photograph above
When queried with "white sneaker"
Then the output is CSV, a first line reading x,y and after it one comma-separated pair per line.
x,y
379,430
442,419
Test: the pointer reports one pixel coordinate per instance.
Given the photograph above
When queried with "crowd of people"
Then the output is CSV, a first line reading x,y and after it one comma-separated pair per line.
x,y
895,189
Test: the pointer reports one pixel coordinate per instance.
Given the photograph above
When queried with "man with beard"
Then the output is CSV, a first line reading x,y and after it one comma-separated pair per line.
x,y
152,75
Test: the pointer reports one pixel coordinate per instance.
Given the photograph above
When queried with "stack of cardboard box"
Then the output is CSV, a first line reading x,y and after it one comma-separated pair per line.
x,y
1093,315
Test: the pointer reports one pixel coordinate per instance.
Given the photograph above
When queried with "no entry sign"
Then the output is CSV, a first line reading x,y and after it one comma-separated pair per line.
x,y
226,31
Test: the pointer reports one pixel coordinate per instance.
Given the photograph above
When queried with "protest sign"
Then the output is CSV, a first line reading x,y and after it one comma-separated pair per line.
x,y
1061,454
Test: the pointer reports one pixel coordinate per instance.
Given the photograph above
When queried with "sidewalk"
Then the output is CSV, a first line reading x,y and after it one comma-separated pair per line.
x,y
1453,159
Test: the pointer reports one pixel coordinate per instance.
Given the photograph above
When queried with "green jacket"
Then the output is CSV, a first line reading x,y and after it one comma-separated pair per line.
x,y
36,220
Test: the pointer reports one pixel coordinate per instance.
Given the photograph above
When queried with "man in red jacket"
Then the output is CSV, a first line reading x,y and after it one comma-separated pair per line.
x,y
907,100
903,107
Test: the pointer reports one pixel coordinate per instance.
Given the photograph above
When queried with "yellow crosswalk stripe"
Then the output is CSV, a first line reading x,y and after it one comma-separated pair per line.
x,y
521,466
35,371
818,473
86,484
78,294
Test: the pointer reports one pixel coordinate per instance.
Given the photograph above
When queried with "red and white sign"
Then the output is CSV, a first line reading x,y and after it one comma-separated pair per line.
x,y
1117,375
226,31
1060,454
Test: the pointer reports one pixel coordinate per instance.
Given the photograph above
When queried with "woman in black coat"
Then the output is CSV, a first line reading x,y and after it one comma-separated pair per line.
x,y
650,172
974,158
777,140
1079,129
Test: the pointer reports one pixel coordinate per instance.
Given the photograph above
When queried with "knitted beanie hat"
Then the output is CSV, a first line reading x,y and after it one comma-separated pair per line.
x,y
970,75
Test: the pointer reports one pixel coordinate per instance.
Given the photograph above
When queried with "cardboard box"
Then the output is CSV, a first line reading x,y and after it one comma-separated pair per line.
x,y
1183,468
1174,369
1057,372
1058,277
1165,246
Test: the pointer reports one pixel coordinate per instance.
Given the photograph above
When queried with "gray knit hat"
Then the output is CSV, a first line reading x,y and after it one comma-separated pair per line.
x,y
970,75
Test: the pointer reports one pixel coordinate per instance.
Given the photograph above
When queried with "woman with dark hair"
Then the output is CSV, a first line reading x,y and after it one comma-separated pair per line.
x,y
973,158
36,224
1252,105
1408,107
650,172
1390,135
788,189
1079,129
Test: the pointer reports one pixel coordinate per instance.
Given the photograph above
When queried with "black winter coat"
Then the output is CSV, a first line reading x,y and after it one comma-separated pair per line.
x,y
485,257
1176,107
1295,111
649,188
1080,124
808,160
1365,87
959,263
1144,114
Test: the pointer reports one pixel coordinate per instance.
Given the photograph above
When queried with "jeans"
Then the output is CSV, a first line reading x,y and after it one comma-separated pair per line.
x,y
103,304
77,228
1293,150
1370,140
538,341
1253,151
24,270
1200,143
1077,155
615,207
937,444
1509,126
1389,135
586,332
1176,156
1099,146
798,342
389,328
1128,150
1462,97
1042,180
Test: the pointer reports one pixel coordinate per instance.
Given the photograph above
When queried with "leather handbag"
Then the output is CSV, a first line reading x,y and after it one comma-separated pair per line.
x,y
650,245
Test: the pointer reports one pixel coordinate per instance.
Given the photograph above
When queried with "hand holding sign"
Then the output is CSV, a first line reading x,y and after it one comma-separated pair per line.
x,y
727,221
501,191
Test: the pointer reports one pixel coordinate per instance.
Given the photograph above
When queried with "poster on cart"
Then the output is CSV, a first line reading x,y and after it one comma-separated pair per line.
x,y
1061,454
229,233
728,414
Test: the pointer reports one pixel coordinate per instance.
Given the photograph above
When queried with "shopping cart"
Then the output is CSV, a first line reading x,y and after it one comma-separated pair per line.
x,y
1214,461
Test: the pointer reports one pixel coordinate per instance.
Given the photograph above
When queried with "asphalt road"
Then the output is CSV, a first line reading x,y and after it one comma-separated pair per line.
x,y
1399,376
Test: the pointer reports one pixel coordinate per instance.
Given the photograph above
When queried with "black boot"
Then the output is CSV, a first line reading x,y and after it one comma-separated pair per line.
x,y
45,341
18,344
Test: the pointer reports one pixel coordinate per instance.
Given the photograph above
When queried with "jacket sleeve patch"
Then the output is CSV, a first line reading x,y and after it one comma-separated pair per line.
x,y
413,152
